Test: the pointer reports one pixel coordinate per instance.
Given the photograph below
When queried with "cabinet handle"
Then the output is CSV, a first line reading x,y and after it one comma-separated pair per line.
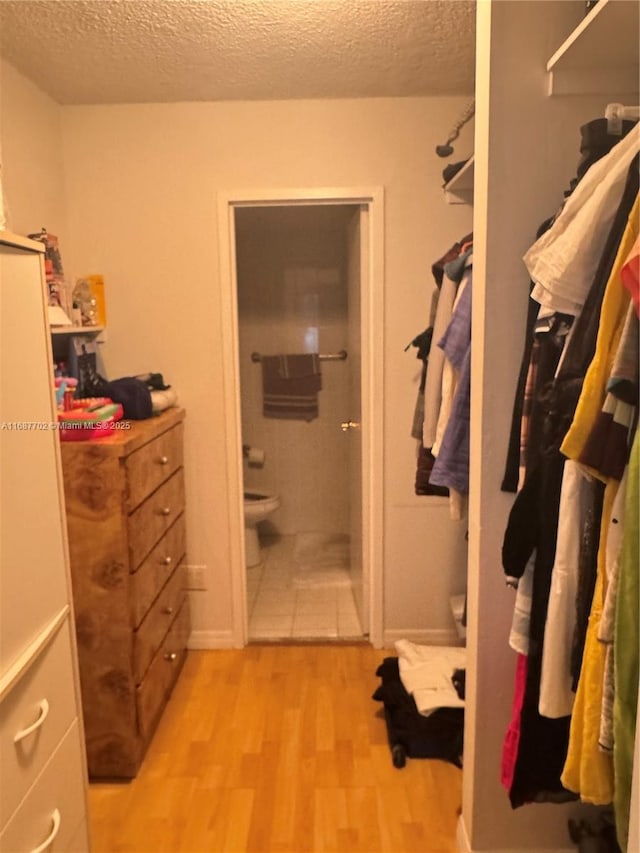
x,y
164,511
168,611
171,656
164,460
55,829
43,712
166,562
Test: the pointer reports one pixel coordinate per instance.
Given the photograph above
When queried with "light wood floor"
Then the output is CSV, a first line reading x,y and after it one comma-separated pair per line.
x,y
277,748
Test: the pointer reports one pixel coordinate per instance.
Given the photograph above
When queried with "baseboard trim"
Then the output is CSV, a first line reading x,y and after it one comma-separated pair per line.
x,y
210,640
464,845
462,839
424,637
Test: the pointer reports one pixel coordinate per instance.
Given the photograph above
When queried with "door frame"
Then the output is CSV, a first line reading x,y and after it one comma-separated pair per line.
x,y
372,376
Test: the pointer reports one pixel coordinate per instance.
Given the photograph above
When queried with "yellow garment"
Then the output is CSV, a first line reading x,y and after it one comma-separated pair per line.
x,y
612,316
587,770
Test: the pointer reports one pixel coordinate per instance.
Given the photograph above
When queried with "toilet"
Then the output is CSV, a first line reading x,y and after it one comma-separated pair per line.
x,y
258,506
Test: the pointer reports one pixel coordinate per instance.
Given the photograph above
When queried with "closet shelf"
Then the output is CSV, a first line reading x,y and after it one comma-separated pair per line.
x,y
76,330
459,190
586,63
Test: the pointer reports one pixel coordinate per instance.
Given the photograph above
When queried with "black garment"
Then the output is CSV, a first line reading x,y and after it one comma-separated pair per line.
x,y
533,526
512,468
551,344
410,734
543,743
595,142
424,467
458,679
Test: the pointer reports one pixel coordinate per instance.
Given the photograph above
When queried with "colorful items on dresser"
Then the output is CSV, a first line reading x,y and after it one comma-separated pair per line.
x,y
86,418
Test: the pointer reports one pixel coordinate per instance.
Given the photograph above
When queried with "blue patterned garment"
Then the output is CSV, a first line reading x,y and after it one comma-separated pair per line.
x,y
451,467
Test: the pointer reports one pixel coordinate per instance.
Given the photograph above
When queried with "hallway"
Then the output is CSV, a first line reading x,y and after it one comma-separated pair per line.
x,y
278,748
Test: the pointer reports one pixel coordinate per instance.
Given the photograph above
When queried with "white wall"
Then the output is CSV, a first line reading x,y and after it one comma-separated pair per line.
x,y
31,152
141,184
291,267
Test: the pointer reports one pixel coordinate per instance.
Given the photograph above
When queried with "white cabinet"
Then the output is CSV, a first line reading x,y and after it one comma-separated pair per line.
x,y
40,724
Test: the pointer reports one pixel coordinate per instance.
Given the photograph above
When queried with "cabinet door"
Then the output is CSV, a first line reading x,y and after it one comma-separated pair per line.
x,y
32,545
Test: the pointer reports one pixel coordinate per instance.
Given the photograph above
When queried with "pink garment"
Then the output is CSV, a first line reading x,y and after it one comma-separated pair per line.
x,y
630,274
512,737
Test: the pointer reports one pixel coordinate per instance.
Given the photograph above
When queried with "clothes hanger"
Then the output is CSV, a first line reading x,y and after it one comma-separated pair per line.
x,y
615,115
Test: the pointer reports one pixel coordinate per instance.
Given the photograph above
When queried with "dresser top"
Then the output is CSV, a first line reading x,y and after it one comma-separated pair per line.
x,y
126,436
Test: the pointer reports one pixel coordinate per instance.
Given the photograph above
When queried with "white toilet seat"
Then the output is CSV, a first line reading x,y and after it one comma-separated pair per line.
x,y
258,506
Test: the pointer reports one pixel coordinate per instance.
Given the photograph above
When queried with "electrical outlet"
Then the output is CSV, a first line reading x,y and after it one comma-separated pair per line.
x,y
196,577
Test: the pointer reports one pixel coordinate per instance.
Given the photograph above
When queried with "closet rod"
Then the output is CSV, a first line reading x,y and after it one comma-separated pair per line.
x,y
616,113
329,356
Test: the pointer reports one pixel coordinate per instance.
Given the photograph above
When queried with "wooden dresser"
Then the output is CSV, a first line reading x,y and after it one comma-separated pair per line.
x,y
125,515
43,776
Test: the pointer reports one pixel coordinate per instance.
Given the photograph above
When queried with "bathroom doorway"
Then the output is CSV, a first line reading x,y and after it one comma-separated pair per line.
x,y
299,275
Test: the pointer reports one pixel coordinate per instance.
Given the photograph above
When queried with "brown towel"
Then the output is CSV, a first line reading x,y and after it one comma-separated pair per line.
x,y
290,385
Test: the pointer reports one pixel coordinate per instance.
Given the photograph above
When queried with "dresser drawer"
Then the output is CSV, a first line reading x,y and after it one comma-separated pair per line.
x,y
163,672
53,806
153,518
149,636
44,699
152,464
154,572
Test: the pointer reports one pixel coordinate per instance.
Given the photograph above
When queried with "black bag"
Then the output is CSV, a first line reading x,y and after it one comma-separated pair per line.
x,y
133,395
410,734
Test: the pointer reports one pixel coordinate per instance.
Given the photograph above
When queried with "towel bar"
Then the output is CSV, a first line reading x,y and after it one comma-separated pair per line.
x,y
329,356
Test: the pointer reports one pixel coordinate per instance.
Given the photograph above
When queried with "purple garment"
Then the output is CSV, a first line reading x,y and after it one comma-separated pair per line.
x,y
451,467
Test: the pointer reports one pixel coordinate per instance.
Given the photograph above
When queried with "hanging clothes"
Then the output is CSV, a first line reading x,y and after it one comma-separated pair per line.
x,y
606,632
451,467
607,447
563,261
447,278
631,275
556,693
626,654
612,318
583,252
588,771
455,272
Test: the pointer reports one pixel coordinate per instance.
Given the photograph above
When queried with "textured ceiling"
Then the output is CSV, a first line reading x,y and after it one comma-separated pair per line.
x,y
132,51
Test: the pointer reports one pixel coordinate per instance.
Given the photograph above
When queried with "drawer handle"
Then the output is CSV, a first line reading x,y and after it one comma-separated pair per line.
x,y
168,611
164,460
167,561
43,713
171,656
55,829
164,511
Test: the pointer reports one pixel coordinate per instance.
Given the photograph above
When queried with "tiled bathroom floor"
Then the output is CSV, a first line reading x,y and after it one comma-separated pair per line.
x,y
302,590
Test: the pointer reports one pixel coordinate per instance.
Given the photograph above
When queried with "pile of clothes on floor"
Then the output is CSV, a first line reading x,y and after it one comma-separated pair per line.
x,y
422,691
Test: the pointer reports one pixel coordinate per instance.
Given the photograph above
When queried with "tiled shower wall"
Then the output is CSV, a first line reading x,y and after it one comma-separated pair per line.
x,y
291,294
